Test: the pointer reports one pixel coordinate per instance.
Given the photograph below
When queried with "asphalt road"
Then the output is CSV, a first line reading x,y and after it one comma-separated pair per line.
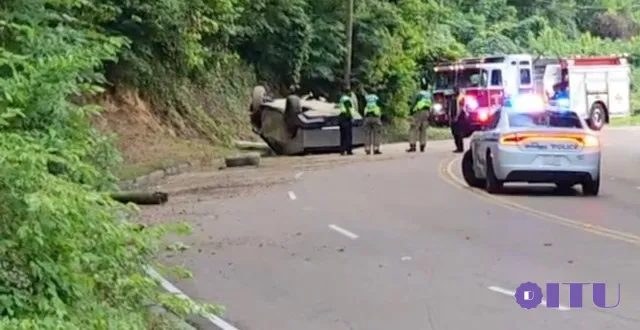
x,y
401,244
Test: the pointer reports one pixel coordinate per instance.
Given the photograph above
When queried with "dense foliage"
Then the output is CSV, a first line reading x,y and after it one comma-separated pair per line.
x,y
66,259
303,42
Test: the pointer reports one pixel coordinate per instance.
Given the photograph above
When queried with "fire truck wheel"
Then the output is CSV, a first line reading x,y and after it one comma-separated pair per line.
x,y
597,116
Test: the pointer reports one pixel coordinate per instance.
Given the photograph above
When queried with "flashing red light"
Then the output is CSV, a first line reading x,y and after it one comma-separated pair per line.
x,y
483,115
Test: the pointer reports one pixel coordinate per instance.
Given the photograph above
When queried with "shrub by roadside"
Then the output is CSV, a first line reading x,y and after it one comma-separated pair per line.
x,y
68,261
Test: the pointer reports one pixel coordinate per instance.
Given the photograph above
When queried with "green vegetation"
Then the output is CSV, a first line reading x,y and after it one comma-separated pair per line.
x,y
633,120
66,261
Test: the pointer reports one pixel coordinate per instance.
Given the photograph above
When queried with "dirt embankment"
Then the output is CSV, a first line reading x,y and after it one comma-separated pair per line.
x,y
145,138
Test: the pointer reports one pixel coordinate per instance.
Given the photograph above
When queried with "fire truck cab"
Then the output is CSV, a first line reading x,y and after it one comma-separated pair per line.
x,y
485,82
599,87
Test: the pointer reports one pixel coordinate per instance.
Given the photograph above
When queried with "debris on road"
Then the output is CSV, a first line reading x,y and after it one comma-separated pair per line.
x,y
141,197
248,159
260,147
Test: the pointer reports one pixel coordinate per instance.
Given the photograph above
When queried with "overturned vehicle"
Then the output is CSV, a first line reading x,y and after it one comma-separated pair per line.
x,y
295,126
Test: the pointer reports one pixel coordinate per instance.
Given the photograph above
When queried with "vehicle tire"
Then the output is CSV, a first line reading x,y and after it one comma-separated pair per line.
x,y
257,98
597,116
591,187
467,171
291,111
492,184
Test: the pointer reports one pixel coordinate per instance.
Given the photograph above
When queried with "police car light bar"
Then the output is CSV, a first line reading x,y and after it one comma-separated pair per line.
x,y
528,103
563,103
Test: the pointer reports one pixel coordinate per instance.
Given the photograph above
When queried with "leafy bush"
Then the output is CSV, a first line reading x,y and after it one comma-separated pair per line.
x,y
67,261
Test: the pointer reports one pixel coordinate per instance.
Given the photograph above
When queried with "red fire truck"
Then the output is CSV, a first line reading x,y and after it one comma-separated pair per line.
x,y
485,82
599,86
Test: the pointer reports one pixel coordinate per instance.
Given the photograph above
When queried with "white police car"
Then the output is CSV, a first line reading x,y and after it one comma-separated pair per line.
x,y
528,141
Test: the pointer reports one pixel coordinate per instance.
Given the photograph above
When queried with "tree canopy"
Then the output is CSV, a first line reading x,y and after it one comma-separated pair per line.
x,y
394,41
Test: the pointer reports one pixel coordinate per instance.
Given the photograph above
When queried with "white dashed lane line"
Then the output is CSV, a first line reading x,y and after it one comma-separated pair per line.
x,y
292,195
298,175
513,293
343,231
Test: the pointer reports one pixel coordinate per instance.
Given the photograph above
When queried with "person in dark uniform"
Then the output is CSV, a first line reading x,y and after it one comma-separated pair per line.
x,y
456,121
346,125
563,85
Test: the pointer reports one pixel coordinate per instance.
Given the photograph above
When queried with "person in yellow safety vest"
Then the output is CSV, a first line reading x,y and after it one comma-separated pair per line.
x,y
372,125
346,125
420,114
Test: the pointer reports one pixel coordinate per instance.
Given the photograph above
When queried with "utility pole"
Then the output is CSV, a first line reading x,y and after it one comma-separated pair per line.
x,y
347,70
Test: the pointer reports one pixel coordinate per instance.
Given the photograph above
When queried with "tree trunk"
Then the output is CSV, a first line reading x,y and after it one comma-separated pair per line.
x,y
141,197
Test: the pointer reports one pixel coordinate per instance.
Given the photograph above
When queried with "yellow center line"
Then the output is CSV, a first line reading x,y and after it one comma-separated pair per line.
x,y
446,173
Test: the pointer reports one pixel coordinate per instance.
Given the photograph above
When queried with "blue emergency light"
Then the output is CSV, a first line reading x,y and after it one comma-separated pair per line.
x,y
563,103
525,103
561,100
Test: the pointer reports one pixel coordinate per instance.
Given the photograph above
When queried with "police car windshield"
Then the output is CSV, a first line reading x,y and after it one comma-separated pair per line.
x,y
545,119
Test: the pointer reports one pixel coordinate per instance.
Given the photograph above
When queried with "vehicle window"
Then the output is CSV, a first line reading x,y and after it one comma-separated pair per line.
x,y
496,77
472,78
545,119
444,79
525,76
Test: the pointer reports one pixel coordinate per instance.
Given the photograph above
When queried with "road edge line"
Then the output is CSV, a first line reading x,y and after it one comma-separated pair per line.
x,y
169,287
447,175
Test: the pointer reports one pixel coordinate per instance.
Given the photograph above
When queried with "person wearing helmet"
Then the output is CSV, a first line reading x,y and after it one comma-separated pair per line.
x,y
346,124
372,125
420,121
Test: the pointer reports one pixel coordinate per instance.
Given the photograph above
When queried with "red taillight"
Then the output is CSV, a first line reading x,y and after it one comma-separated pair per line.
x,y
511,139
585,140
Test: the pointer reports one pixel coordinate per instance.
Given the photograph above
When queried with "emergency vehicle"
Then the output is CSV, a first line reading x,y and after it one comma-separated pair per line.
x,y
443,95
599,87
485,81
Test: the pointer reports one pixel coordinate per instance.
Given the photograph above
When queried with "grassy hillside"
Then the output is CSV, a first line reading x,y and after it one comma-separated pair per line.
x,y
176,121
